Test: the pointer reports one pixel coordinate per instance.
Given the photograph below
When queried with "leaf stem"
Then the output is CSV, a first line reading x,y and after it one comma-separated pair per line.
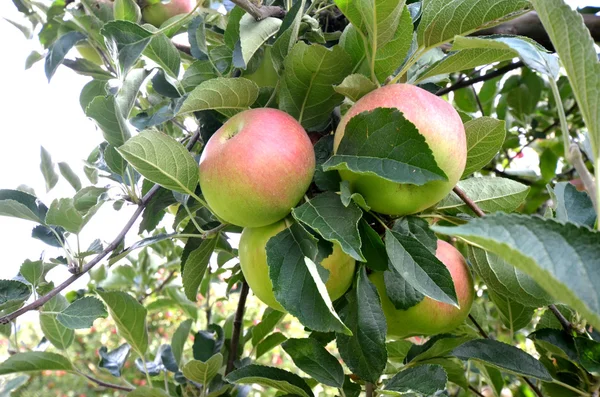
x,y
567,326
379,219
192,218
562,117
573,389
146,370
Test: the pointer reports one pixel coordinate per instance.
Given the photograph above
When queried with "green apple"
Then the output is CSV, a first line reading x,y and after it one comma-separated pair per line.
x,y
256,167
265,75
443,130
253,261
430,317
89,53
157,13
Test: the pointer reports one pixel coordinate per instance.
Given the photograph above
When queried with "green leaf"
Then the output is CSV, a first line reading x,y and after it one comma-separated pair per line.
x,y
180,336
270,342
373,248
489,193
59,335
589,354
328,216
108,117
127,10
88,197
69,175
34,362
32,271
437,346
379,19
420,267
384,143
514,315
125,98
505,279
276,378
18,204
398,349
427,379
226,95
126,41
82,313
195,267
311,357
130,317
288,34
13,293
485,137
62,213
147,392
163,160
47,167
502,356
562,258
402,295
203,372
390,55
253,34
571,205
575,47
58,50
355,86
268,323
291,257
162,51
197,73
419,229
441,20
325,180
364,352
310,72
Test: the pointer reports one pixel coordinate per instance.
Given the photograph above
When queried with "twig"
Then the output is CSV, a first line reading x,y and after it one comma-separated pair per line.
x,y
533,387
370,390
160,286
481,331
237,328
109,248
470,203
567,326
485,77
474,390
479,105
106,384
260,12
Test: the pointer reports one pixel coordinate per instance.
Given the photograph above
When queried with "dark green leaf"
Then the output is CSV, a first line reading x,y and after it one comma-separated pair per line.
x,y
329,180
269,321
195,267
130,317
114,360
106,113
82,313
270,377
126,42
17,204
373,248
572,206
312,358
402,295
180,336
589,354
35,362
427,379
514,315
269,343
13,292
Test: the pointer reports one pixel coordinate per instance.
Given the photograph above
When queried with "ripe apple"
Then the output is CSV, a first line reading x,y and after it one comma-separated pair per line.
x,y
256,167
157,13
253,261
430,317
443,130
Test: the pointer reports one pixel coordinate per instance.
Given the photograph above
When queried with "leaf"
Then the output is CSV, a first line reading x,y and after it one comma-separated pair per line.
x,y
208,343
379,19
390,55
402,295
253,34
126,41
310,72
105,112
162,51
114,360
373,248
197,73
276,378
288,34
203,372
502,356
489,193
127,10
323,151
485,137
62,213
420,267
294,278
355,86
17,204
589,353
427,379
575,47
514,315
180,336
441,20
130,317
311,357
195,267
384,143
364,352
59,335
273,340
226,95
34,362
145,391
47,167
562,258
437,346
32,271
12,293
82,313
327,215
268,323
163,160
571,205
88,197
69,175
58,50
125,98
419,229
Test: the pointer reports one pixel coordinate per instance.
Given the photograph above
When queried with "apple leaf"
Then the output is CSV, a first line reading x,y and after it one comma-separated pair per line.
x,y
284,381
294,278
226,95
35,362
59,335
195,267
402,295
104,110
311,357
571,205
420,267
287,35
489,193
197,38
63,213
419,229
13,293
18,204
328,216
383,143
114,360
125,98
163,160
513,315
379,19
127,10
310,72
162,51
197,73
589,353
179,338
269,321
126,41
82,313
270,342
485,137
253,34
355,86
32,271
326,181
391,54
562,258
427,379
58,50
504,357
364,352
437,346
67,172
203,372
372,247
47,168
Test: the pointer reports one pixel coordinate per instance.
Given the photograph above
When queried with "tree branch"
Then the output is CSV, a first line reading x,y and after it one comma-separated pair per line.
x,y
488,76
160,286
109,248
237,328
474,390
481,331
260,12
470,203
106,384
369,389
567,326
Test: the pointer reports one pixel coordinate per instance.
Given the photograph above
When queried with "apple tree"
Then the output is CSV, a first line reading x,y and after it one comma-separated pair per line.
x,y
407,186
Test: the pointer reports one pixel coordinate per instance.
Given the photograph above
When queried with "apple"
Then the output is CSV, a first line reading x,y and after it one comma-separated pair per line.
x,y
443,130
89,53
157,13
253,261
430,317
265,75
256,167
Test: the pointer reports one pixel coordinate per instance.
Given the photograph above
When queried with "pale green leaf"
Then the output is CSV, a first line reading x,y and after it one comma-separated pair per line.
x,y
253,34
203,372
32,271
67,172
82,313
226,95
35,362
127,10
47,167
59,335
106,113
355,87
485,137
62,212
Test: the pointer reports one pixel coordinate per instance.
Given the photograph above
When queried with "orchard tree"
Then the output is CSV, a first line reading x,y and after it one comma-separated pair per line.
x,y
366,151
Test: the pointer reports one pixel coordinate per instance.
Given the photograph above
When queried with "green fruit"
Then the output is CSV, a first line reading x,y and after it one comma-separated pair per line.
x,y
443,130
156,14
253,261
89,53
430,317
265,75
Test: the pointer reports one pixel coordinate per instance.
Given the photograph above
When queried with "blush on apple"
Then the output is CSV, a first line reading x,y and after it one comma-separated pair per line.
x,y
157,13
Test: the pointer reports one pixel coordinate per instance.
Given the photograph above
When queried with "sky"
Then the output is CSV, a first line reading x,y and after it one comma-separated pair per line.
x,y
37,113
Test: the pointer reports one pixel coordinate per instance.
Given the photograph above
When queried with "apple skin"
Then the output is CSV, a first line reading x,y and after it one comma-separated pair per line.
x,y
444,132
157,14
253,261
430,317
256,167
265,75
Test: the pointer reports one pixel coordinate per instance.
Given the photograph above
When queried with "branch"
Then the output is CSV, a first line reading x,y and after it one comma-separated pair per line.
x,y
109,248
474,390
369,390
488,76
481,331
160,286
470,203
106,384
237,328
260,12
567,326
